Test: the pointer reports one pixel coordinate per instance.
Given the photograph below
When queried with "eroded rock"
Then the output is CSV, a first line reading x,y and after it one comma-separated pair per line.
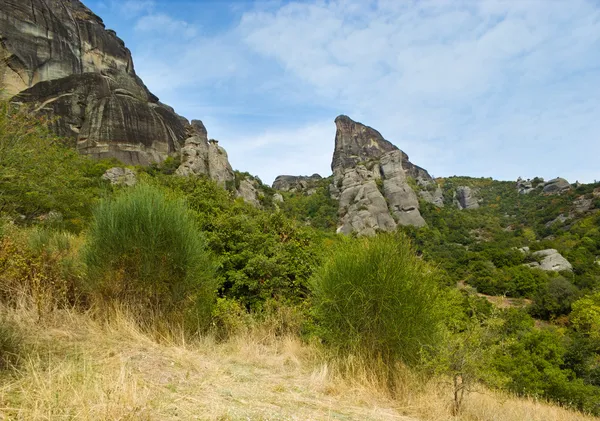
x,y
466,198
556,186
200,156
552,260
370,180
120,176
300,184
59,58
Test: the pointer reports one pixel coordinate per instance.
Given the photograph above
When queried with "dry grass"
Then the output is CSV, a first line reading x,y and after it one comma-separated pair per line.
x,y
80,369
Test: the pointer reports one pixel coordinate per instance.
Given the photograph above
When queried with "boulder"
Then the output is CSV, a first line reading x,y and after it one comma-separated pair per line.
x,y
552,260
466,198
556,186
120,176
277,198
524,186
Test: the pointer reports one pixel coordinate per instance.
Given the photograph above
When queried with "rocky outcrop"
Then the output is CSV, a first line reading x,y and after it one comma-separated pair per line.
x,y
466,198
435,196
583,204
551,260
119,176
248,190
297,184
59,58
201,156
524,186
370,180
556,186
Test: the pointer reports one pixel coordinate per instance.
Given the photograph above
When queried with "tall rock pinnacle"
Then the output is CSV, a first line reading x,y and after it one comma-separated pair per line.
x,y
370,179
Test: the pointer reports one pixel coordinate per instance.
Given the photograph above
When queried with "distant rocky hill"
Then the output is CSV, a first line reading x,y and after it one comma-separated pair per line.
x,y
58,57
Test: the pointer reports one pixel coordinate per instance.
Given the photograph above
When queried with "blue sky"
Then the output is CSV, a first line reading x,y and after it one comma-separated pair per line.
x,y
486,88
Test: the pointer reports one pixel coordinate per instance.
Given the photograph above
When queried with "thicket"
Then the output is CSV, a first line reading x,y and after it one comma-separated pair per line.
x,y
42,178
144,250
376,300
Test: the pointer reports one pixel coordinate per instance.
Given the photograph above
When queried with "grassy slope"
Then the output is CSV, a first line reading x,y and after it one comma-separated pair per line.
x,y
81,369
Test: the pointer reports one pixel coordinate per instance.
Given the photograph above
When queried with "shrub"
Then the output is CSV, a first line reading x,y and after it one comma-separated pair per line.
x,y
374,298
144,250
41,176
41,266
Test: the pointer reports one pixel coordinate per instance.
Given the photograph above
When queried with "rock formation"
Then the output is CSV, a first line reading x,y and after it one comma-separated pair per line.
x,y
201,156
556,186
119,176
370,180
551,260
58,57
524,186
300,184
466,198
435,197
248,190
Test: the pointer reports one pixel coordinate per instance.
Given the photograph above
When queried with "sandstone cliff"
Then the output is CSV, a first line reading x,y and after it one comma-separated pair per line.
x,y
58,57
371,181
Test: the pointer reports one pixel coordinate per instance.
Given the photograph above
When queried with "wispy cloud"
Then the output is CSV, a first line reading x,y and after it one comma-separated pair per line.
x,y
488,88
161,23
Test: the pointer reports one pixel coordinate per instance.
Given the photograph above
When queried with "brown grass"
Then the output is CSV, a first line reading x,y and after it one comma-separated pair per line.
x,y
81,369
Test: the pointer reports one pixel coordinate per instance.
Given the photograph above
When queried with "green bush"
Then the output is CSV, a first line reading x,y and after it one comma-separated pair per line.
x,y
41,177
374,298
144,250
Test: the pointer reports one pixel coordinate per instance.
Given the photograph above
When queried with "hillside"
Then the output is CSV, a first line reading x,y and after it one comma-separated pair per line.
x,y
141,277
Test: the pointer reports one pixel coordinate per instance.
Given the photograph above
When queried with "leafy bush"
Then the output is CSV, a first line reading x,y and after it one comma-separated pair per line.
x,y
554,299
376,299
41,266
40,174
144,250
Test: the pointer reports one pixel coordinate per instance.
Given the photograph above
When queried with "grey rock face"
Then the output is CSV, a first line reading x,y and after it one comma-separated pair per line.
x,y
370,181
559,219
435,197
552,260
249,192
277,198
556,186
294,183
466,198
524,186
401,198
120,176
200,156
59,58
582,204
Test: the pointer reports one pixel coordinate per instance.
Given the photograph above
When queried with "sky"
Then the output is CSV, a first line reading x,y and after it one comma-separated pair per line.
x,y
488,88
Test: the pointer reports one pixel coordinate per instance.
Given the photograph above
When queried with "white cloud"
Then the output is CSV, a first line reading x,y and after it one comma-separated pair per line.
x,y
161,23
133,8
488,88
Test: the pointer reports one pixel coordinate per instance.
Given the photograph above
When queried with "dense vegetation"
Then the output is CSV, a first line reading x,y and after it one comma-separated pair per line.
x,y
183,249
